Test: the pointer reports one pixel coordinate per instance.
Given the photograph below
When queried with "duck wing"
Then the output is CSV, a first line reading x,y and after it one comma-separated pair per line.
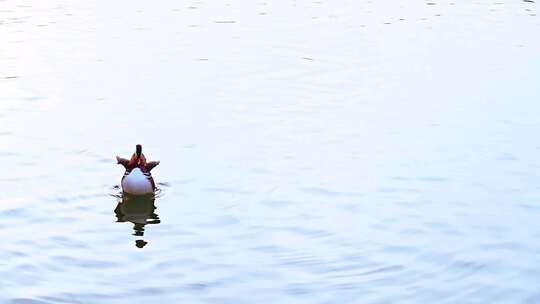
x,y
122,161
151,164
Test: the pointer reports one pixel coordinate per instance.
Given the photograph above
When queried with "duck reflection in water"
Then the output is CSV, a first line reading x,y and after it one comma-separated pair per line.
x,y
139,210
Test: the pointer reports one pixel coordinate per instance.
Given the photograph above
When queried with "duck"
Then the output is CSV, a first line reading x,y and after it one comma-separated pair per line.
x,y
137,179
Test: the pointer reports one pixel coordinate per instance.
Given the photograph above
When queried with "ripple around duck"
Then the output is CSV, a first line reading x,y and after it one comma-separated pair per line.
x,y
119,194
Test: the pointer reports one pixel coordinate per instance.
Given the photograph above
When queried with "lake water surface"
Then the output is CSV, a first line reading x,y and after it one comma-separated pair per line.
x,y
311,151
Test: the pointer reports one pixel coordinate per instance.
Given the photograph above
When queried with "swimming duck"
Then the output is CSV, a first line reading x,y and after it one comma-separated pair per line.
x,y
137,179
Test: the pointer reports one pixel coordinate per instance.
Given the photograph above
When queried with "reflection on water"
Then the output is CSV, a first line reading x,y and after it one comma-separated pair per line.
x,y
139,210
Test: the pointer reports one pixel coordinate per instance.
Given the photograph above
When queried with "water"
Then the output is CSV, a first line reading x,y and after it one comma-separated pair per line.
x,y
311,151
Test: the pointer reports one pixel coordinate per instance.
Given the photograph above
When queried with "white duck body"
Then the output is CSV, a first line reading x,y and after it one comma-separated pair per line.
x,y
137,183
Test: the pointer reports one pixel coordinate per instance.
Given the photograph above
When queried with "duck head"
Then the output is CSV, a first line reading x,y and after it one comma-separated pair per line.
x,y
138,150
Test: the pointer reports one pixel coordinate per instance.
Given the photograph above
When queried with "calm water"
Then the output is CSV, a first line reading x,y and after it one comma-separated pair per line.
x,y
311,151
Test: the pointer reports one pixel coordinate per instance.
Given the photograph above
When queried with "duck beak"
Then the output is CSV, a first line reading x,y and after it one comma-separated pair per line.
x,y
138,150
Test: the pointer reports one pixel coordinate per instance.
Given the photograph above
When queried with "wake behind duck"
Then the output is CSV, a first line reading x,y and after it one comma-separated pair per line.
x,y
137,179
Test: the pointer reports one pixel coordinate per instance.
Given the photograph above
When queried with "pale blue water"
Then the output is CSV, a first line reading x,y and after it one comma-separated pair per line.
x,y
311,152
